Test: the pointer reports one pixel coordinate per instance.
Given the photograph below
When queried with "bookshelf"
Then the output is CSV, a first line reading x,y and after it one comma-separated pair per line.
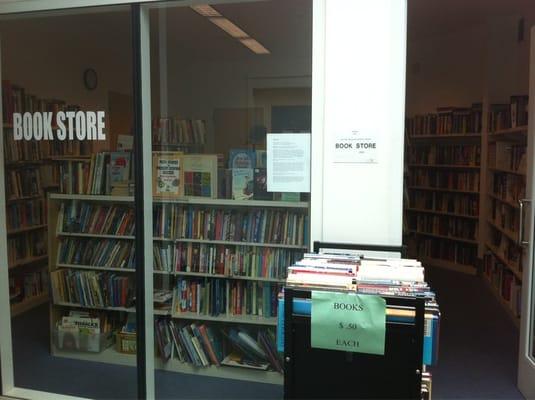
x,y
506,185
31,173
286,247
443,184
26,224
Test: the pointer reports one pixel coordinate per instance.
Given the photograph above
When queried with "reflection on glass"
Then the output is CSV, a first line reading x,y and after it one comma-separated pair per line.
x,y
66,91
224,77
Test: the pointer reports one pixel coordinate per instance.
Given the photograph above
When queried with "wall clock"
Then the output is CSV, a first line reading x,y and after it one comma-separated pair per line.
x,y
90,79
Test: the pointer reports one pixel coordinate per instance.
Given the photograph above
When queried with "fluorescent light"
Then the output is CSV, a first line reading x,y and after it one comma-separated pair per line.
x,y
254,46
230,27
206,11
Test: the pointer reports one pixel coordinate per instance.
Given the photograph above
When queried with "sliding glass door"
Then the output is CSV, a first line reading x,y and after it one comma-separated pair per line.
x,y
67,211
225,81
143,243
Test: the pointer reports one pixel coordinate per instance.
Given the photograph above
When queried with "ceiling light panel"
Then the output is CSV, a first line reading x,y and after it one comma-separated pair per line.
x,y
254,46
230,27
206,11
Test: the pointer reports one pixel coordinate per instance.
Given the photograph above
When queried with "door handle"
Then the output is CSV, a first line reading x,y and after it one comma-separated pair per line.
x,y
521,241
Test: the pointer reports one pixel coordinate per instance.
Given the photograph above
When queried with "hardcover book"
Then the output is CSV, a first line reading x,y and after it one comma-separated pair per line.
x,y
242,158
199,174
166,167
119,166
260,185
242,183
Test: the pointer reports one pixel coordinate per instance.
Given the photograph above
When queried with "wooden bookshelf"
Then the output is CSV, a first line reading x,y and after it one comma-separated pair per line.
x,y
447,166
27,229
505,173
454,238
510,203
28,261
450,136
513,268
437,189
449,214
444,163
513,236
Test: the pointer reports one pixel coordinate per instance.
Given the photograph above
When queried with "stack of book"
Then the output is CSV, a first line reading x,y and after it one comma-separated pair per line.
x,y
91,289
203,345
353,273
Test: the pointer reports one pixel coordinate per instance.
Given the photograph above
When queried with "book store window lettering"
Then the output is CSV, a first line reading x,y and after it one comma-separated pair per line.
x,y
70,125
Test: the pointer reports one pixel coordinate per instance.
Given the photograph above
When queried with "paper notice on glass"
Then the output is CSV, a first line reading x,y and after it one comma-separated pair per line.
x,y
288,162
355,147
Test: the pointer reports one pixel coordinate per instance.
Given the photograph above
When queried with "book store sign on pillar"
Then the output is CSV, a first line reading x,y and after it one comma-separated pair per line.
x,y
348,322
355,147
63,125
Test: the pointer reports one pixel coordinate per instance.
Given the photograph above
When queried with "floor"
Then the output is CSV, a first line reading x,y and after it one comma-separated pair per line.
x,y
478,353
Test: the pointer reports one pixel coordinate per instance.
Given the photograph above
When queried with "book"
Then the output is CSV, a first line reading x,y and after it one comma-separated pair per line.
x,y
199,175
242,158
260,185
242,183
261,158
119,167
166,166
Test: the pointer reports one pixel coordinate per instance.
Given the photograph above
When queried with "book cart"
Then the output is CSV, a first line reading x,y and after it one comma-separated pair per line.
x,y
319,373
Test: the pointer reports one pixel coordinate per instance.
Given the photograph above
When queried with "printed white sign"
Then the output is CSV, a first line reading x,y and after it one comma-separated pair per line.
x,y
288,162
64,125
355,147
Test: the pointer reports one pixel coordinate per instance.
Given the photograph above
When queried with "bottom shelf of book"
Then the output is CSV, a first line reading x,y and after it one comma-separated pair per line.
x,y
112,356
28,304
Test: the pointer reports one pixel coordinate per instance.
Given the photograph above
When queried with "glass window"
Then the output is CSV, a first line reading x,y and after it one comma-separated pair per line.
x,y
69,226
224,78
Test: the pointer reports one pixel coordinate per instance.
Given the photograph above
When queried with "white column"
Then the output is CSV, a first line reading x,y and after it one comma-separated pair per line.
x,y
364,90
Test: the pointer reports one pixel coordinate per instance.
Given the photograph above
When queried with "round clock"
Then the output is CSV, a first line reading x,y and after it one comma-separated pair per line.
x,y
90,79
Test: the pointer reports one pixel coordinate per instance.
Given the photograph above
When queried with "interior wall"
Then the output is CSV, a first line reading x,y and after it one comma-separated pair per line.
x,y
461,67
47,56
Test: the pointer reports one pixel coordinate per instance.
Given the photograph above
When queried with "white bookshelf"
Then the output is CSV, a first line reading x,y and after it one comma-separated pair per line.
x,y
221,276
185,200
184,240
175,273
235,319
110,355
